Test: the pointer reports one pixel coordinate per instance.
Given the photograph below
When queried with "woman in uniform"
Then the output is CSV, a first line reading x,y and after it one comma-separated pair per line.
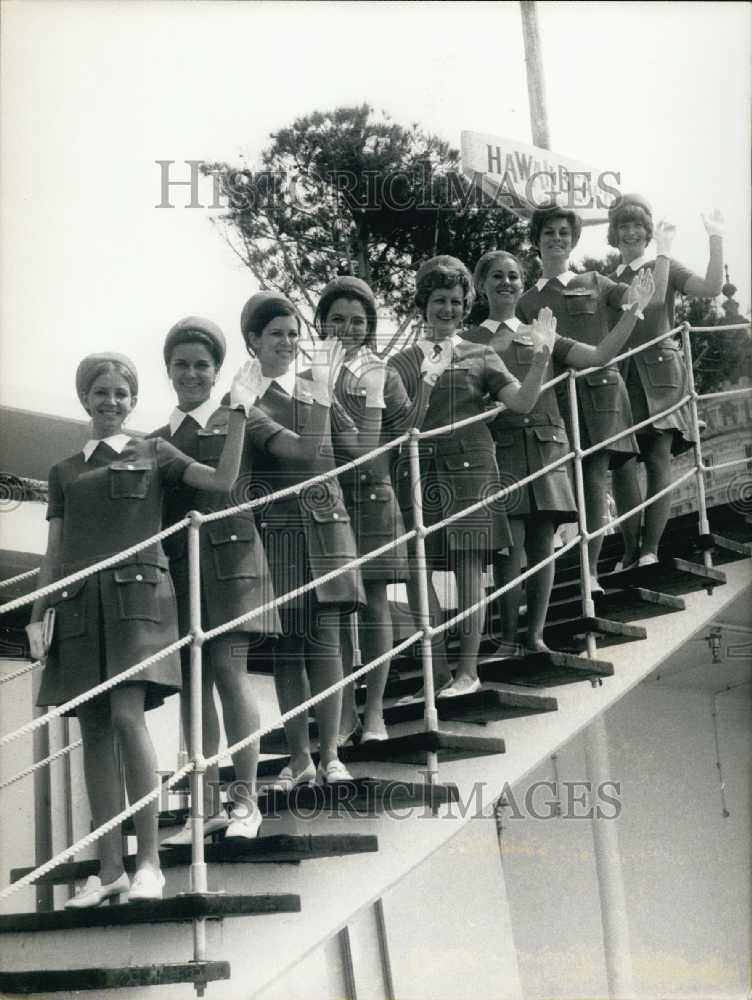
x,y
374,398
102,500
656,377
447,380
306,534
234,575
586,306
525,444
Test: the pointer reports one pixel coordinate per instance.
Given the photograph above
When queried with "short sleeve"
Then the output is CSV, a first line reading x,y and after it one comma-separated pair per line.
x,y
398,412
562,347
612,292
260,428
496,374
55,496
678,276
171,463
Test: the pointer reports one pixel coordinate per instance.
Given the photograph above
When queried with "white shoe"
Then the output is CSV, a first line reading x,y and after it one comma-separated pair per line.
x,y
334,771
458,688
245,823
595,587
185,836
650,559
621,568
94,893
147,884
286,780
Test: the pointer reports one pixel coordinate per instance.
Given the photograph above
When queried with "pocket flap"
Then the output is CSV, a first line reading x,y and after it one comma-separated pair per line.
x,y
137,465
338,516
218,431
504,440
138,573
467,460
231,529
69,591
606,377
659,355
549,434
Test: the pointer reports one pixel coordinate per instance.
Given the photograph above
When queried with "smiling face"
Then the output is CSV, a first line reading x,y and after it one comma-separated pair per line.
x,y
108,402
555,244
632,239
193,372
445,310
502,287
347,321
277,345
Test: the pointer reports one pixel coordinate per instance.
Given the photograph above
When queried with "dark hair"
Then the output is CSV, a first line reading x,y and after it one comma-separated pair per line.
x,y
265,312
485,264
443,272
542,216
350,290
194,337
628,212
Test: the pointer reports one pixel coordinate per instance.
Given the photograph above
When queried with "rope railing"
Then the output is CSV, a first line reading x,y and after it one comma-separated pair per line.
x,y
10,580
726,465
719,329
628,354
41,763
21,671
744,391
586,452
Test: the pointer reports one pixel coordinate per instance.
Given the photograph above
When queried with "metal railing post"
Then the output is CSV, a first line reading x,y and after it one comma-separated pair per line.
x,y
431,716
696,445
588,607
196,746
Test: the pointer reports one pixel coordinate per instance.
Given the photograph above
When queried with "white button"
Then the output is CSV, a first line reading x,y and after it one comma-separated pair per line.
x,y
373,496
660,357
139,577
605,381
217,430
264,524
64,593
555,438
465,465
130,466
527,420
363,477
335,516
233,538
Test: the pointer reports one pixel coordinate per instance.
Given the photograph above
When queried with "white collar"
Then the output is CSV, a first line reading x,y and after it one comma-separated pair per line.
x,y
116,441
286,382
447,346
634,265
493,324
565,277
201,415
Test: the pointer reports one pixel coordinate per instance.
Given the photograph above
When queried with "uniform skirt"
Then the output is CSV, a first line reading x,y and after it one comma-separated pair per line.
x,y
454,476
522,451
604,409
109,622
376,520
657,379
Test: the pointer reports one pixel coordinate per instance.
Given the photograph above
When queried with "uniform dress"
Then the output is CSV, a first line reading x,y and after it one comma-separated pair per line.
x,y
457,468
586,307
307,535
656,378
235,577
368,491
526,443
117,617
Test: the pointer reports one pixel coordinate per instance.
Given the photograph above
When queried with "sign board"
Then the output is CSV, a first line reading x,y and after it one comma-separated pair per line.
x,y
523,178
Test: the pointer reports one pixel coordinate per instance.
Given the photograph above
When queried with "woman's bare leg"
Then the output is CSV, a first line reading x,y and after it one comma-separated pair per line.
x,y
103,783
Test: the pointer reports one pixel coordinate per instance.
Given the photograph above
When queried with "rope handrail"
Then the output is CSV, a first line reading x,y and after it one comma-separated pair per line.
x,y
726,465
719,329
635,427
41,763
745,390
21,671
628,354
10,580
589,536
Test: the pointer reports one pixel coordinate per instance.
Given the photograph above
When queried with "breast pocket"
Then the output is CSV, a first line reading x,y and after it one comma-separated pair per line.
x,y
603,387
523,355
580,305
232,542
210,444
136,588
70,610
664,368
130,480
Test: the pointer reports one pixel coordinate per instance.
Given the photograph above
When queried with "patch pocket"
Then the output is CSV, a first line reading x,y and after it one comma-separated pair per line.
x,y
211,441
333,532
523,355
603,387
580,305
664,368
552,445
232,545
136,589
130,480
469,472
70,610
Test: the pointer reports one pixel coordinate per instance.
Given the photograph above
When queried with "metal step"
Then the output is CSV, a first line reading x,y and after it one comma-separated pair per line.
x,y
59,980
620,605
568,636
176,909
543,669
672,576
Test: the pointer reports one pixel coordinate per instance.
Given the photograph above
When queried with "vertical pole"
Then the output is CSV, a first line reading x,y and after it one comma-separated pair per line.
x,y
536,90
42,801
608,868
431,716
588,608
198,865
702,503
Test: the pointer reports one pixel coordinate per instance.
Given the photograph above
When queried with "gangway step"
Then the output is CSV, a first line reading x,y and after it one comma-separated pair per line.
x,y
176,909
263,850
569,636
543,669
673,576
127,977
480,707
620,605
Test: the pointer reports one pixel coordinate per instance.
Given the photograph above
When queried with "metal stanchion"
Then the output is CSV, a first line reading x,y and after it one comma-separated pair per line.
x,y
431,716
697,447
198,864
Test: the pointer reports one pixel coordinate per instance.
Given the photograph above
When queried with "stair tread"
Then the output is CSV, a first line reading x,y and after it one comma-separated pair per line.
x,y
671,576
543,669
104,978
620,605
568,635
174,909
277,848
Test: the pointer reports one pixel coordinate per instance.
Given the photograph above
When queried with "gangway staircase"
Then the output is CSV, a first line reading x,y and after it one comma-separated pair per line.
x,y
325,855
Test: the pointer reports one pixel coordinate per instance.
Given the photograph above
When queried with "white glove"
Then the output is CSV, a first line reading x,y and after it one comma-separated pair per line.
x,y
641,290
39,640
714,223
326,362
370,374
249,383
665,232
543,330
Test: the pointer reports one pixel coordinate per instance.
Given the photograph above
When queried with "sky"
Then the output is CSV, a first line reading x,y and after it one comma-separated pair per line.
x,y
94,92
